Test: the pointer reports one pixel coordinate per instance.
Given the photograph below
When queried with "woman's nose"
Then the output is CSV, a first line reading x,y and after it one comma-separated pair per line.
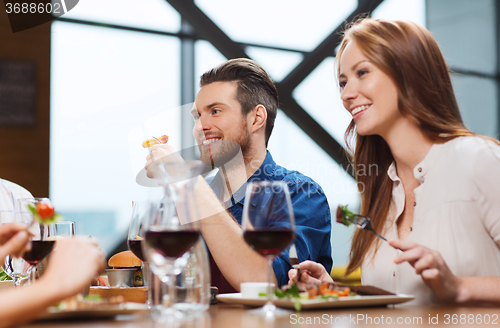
x,y
349,92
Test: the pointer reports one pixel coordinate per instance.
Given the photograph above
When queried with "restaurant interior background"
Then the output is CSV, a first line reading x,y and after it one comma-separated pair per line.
x,y
110,72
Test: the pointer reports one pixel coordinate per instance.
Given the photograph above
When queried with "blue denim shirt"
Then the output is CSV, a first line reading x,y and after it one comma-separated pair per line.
x,y
311,209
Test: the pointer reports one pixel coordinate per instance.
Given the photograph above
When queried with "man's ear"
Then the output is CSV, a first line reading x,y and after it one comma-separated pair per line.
x,y
258,118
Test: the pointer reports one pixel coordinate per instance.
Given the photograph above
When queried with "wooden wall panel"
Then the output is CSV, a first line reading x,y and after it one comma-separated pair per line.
x,y
24,151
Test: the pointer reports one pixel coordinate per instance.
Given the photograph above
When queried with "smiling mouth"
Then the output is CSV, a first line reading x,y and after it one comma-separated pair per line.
x,y
207,142
359,109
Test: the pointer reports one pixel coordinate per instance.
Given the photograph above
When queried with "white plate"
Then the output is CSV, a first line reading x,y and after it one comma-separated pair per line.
x,y
103,311
348,301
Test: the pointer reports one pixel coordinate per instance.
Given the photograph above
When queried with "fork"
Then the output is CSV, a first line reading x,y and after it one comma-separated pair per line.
x,y
363,222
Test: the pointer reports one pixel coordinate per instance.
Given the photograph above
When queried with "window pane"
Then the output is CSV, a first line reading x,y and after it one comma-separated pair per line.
x,y
319,95
149,14
413,10
278,64
105,83
206,58
478,106
294,24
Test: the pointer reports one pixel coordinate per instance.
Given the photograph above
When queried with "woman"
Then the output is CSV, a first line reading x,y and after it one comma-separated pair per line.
x,y
436,194
74,262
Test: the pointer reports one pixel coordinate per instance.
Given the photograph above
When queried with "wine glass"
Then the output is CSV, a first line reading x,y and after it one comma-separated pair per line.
x,y
41,244
166,240
134,241
268,227
136,231
16,268
62,229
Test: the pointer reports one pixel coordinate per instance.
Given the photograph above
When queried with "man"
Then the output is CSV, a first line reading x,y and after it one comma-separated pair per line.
x,y
234,113
9,194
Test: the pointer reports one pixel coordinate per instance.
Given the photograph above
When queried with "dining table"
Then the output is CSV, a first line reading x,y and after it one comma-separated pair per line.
x,y
235,316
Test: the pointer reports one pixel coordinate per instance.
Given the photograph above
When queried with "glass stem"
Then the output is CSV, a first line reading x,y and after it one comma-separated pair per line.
x,y
32,274
17,281
269,288
169,280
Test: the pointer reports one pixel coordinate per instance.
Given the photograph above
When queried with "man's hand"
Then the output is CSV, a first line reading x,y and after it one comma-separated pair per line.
x,y
430,265
160,154
311,272
14,240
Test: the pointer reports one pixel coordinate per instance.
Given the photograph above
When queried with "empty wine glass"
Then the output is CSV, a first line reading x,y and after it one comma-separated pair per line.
x,y
16,268
166,240
63,229
268,227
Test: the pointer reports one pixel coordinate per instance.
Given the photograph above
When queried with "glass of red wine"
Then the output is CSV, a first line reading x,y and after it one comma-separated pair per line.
x,y
43,239
269,228
167,237
136,231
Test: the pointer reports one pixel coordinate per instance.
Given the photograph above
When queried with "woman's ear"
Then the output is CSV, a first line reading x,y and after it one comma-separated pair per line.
x,y
258,118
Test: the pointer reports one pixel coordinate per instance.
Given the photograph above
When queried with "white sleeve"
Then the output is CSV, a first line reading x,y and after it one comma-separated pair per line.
x,y
487,180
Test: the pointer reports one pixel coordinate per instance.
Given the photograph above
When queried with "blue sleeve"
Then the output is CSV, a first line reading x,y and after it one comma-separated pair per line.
x,y
312,226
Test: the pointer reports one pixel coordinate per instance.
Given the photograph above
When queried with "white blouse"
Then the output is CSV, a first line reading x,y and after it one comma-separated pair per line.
x,y
9,194
457,212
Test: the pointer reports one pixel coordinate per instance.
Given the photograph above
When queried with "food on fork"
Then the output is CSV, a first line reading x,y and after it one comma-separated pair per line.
x,y
43,211
344,216
155,141
127,260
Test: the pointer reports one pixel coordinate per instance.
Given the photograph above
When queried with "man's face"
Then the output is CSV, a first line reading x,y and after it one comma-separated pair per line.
x,y
220,128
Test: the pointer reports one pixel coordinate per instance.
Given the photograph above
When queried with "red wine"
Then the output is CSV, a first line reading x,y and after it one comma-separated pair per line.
x,y
172,243
39,250
135,247
269,242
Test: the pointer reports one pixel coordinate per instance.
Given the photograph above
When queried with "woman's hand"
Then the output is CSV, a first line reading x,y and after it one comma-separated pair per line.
x,y
429,264
73,263
311,272
14,240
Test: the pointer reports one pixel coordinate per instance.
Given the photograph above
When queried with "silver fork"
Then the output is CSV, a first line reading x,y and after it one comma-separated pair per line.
x,y
363,222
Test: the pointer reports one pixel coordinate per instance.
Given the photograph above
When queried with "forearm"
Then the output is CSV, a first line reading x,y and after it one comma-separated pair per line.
x,y
479,291
224,237
28,302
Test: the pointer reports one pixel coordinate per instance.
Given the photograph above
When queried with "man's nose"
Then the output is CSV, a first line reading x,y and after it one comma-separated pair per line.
x,y
201,124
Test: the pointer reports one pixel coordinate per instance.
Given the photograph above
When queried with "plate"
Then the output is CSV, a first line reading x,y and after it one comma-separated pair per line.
x,y
347,301
103,311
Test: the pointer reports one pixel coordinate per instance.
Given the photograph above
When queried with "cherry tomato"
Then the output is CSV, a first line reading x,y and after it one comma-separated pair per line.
x,y
45,210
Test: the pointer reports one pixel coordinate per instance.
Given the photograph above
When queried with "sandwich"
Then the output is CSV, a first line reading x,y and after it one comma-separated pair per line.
x,y
127,260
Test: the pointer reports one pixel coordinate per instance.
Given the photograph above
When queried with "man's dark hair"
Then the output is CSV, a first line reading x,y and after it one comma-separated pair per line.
x,y
255,87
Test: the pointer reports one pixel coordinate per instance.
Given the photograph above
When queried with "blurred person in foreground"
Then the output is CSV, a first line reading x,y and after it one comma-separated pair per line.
x,y
436,197
74,262
234,115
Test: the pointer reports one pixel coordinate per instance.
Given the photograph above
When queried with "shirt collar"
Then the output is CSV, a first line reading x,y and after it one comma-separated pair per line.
x,y
421,169
265,170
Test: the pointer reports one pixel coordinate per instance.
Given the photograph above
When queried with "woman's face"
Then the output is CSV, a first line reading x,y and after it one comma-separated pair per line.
x,y
368,93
